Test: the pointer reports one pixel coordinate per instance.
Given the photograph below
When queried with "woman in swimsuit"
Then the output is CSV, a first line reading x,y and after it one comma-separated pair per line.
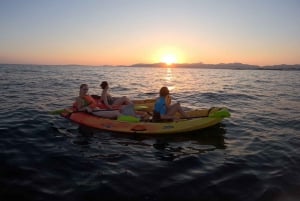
x,y
112,102
85,102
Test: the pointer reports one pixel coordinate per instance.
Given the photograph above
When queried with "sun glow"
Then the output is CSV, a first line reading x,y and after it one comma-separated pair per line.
x,y
169,59
169,55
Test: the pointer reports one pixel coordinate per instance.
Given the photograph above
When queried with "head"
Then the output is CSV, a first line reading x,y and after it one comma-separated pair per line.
x,y
104,84
84,89
164,91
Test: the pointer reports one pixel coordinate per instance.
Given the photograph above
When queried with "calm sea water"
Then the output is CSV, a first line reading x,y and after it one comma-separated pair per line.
x,y
253,156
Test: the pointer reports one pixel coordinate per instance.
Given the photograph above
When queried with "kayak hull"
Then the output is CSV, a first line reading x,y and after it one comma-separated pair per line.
x,y
200,119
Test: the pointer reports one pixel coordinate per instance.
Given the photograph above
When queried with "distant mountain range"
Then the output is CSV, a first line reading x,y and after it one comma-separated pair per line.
x,y
238,66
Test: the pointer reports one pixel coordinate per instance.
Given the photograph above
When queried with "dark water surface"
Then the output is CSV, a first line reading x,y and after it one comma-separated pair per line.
x,y
252,156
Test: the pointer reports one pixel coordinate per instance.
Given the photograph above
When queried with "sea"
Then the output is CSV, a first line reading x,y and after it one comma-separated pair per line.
x,y
251,156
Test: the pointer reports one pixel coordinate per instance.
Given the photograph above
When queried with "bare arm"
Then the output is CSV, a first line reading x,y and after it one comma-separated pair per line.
x,y
104,99
80,105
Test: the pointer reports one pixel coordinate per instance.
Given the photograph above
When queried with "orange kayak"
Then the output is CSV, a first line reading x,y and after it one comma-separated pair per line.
x,y
199,119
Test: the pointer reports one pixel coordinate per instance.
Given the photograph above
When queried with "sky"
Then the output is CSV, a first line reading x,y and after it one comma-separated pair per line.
x,y
125,32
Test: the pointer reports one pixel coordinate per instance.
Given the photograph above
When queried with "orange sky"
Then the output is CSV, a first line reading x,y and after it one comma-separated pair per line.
x,y
125,33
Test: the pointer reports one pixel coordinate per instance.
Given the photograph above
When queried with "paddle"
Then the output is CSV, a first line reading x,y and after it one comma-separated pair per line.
x,y
56,112
214,113
140,107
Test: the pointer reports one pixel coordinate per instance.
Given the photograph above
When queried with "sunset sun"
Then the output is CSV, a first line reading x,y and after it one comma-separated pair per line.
x,y
169,59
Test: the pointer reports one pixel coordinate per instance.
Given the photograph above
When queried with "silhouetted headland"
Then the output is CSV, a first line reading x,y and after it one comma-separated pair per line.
x,y
233,66
237,66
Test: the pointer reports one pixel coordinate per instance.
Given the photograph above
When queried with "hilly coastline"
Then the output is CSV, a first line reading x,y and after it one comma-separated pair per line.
x,y
237,66
232,66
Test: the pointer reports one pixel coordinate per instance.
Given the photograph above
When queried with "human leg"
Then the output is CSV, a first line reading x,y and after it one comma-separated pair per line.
x,y
176,108
122,101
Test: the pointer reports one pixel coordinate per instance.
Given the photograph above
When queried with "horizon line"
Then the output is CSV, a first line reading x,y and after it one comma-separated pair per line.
x,y
157,63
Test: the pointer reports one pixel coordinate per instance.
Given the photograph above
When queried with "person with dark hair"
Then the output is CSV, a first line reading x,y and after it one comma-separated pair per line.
x,y
85,103
163,109
112,102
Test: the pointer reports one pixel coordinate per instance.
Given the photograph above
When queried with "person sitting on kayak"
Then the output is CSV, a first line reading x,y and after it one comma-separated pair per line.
x,y
112,102
163,110
85,102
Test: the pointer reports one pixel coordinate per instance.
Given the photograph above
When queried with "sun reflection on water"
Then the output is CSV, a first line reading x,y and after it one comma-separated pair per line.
x,y
169,75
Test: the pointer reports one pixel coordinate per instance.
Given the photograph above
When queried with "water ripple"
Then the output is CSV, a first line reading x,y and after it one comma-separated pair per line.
x,y
251,156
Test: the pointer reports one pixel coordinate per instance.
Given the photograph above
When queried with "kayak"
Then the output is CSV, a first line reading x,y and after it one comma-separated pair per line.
x,y
198,119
